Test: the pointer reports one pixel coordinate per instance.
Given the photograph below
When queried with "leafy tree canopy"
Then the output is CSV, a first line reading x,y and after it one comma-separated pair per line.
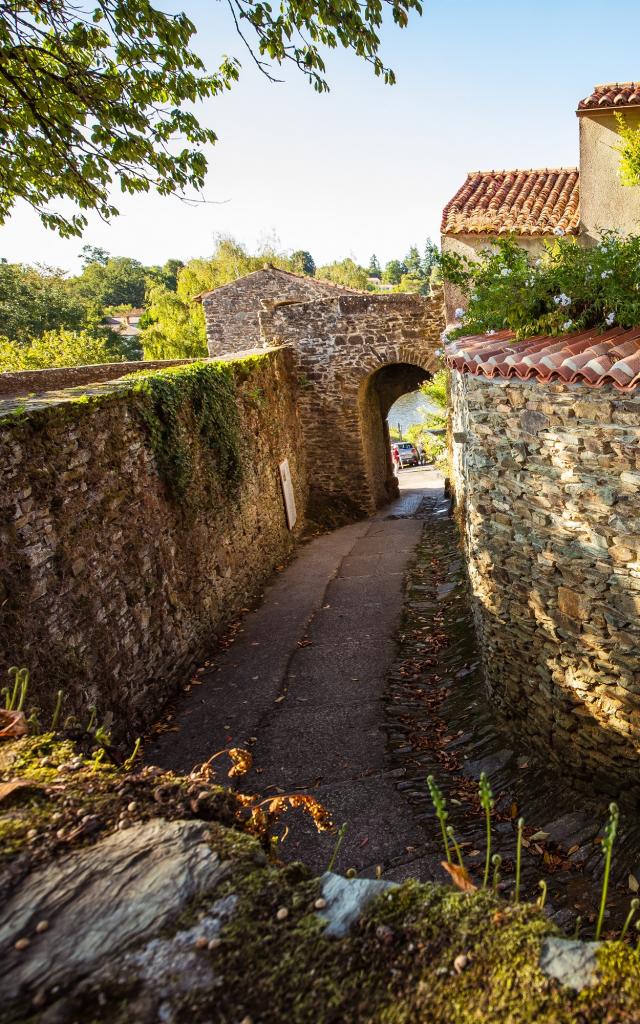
x,y
38,299
302,262
394,271
58,348
96,93
374,269
121,281
346,272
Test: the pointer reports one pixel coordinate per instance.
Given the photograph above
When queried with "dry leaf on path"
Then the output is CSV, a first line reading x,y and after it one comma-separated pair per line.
x,y
7,788
459,877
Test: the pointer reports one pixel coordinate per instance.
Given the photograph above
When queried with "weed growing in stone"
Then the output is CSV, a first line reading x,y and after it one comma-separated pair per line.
x,y
341,834
442,814
518,858
609,838
486,802
542,898
633,908
15,697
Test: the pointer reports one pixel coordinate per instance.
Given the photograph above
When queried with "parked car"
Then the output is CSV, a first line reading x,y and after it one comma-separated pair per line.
x,y
408,453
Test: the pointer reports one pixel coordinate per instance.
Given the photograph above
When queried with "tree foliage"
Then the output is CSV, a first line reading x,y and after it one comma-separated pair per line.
x,y
120,281
629,149
346,272
38,299
302,262
97,93
58,348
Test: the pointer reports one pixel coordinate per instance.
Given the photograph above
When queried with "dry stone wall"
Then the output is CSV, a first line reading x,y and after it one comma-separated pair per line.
x,y
342,345
232,311
110,584
547,481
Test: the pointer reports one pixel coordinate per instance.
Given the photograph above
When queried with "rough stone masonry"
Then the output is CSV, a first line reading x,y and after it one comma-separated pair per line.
x,y
547,476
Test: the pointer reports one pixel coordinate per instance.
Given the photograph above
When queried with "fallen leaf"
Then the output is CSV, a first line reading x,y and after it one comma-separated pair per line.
x,y
573,849
12,724
459,876
539,836
514,810
634,885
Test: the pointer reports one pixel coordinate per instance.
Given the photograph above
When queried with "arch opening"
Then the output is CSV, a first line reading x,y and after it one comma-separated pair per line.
x,y
378,392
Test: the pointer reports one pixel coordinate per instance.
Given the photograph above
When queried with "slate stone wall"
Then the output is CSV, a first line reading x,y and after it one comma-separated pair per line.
x,y
232,311
547,480
343,346
110,586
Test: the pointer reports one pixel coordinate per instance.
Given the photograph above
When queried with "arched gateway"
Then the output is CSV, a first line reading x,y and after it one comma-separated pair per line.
x,y
356,353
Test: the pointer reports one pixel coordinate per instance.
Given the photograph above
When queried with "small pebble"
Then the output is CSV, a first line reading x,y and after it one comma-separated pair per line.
x,y
22,944
123,823
60,834
214,943
46,762
460,962
320,904
202,942
57,816
384,934
132,807
282,914
39,999
32,833
42,926
247,1020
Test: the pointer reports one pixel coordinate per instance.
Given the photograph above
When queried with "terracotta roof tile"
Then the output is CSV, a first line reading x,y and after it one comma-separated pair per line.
x,y
612,95
588,358
521,202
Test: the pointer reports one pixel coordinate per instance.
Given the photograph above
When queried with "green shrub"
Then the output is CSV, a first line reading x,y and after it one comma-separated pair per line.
x,y
569,288
58,348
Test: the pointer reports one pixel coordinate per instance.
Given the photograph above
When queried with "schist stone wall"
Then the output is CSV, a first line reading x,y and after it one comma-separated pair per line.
x,y
355,354
231,312
547,479
110,584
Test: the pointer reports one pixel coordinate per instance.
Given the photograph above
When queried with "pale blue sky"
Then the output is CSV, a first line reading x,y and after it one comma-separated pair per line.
x,y
368,167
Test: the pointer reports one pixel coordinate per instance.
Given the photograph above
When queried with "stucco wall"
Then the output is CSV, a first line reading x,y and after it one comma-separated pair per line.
x,y
469,246
547,481
232,311
110,584
604,201
340,344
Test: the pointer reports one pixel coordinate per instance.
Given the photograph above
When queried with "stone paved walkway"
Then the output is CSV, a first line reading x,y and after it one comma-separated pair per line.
x,y
302,684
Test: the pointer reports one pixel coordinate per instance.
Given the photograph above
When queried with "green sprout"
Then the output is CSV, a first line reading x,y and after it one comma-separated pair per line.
x,y
637,927
486,800
56,711
610,831
14,699
34,722
440,806
128,764
93,718
542,899
518,858
341,834
576,930
633,908
455,845
496,860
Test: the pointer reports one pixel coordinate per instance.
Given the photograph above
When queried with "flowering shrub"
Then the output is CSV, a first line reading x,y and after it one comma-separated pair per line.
x,y
569,288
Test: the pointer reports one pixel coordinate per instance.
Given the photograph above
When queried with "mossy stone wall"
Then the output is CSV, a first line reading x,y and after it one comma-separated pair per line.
x,y
136,523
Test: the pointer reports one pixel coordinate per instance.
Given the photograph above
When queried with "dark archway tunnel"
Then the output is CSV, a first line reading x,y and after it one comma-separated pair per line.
x,y
378,392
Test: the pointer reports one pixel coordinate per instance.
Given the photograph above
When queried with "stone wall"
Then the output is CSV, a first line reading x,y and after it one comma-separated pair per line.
x,y
355,355
24,382
112,581
231,312
547,481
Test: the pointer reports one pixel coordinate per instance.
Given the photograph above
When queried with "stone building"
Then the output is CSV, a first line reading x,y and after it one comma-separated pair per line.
x,y
231,312
546,471
531,205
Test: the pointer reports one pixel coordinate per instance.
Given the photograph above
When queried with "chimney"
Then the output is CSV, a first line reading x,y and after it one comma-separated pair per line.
x,y
605,202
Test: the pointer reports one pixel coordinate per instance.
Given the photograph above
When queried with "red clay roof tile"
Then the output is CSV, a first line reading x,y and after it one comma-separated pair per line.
x,y
534,202
590,357
612,95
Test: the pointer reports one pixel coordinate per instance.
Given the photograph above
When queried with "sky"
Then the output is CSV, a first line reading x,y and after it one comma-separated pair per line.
x,y
368,167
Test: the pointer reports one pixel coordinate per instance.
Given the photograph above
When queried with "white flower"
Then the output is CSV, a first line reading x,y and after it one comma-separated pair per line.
x,y
505,272
610,319
444,338
474,296
562,299
538,263
567,325
559,232
606,273
491,332
459,313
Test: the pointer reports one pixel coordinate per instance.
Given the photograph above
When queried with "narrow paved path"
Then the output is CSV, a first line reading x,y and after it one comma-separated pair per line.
x,y
301,686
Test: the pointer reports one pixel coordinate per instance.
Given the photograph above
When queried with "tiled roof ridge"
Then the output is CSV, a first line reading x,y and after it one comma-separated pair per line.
x,y
611,95
523,202
279,270
594,358
526,170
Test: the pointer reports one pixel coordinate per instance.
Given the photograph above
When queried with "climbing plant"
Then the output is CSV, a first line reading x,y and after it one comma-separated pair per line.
x,y
629,150
192,418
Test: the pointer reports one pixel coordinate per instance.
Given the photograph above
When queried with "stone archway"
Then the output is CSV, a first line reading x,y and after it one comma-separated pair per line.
x,y
377,394
354,355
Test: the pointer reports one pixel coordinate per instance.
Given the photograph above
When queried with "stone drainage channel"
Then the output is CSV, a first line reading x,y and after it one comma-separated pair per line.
x,y
439,722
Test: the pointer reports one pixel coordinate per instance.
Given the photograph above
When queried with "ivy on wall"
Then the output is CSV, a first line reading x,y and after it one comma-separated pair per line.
x,y
629,150
191,414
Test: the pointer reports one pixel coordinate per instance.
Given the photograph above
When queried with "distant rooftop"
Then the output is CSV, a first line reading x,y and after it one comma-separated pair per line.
x,y
612,95
593,358
523,202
